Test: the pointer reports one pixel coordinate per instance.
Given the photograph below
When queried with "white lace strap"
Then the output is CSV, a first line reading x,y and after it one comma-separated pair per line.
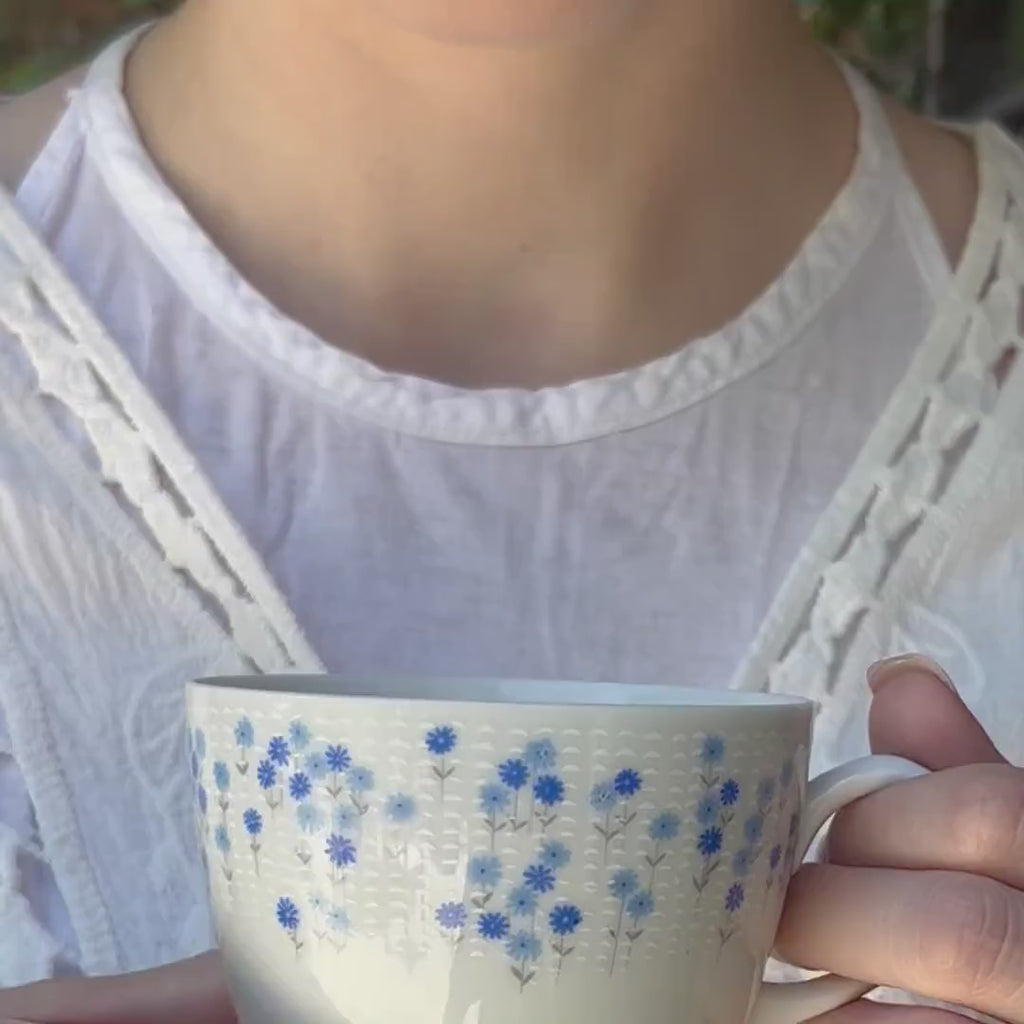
x,y
964,373
139,452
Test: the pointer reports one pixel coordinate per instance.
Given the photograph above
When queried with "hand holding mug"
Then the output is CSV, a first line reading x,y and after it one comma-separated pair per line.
x,y
924,885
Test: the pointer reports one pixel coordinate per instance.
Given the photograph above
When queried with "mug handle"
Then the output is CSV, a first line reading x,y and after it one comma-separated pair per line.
x,y
795,1001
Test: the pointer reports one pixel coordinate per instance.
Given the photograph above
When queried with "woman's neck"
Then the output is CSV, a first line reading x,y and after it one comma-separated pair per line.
x,y
513,215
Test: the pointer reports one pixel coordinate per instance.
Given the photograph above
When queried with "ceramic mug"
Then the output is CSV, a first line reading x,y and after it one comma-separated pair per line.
x,y
495,852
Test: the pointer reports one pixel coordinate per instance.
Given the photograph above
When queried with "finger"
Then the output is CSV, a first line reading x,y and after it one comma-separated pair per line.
x,y
867,1012
916,715
948,936
191,990
964,819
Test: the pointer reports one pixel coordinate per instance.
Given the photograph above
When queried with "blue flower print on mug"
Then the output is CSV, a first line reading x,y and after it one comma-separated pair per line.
x,y
541,758
310,818
733,901
451,918
483,876
252,822
563,920
514,774
342,855
278,751
638,908
315,765
289,918
493,926
610,801
515,900
345,819
524,949
269,781
400,808
548,793
222,781
336,762
540,755
712,751
299,786
199,744
222,841
245,738
299,735
663,829
339,924
522,902
494,801
539,877
621,886
360,782
554,854
440,741
714,812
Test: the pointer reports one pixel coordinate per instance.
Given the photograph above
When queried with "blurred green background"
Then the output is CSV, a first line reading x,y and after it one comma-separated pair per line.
x,y
950,57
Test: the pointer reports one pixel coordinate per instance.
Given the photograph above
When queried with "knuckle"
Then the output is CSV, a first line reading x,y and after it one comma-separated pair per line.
x,y
986,827
970,938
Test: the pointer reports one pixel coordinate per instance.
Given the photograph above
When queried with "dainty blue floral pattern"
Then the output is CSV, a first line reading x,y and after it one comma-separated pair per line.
x,y
548,793
523,950
563,920
299,786
522,912
483,876
310,819
610,799
289,918
278,752
451,916
539,877
299,735
493,925
554,854
400,808
252,822
714,812
522,902
771,799
441,741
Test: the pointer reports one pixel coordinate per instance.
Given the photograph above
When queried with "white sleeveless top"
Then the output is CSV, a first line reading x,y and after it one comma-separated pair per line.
x,y
731,514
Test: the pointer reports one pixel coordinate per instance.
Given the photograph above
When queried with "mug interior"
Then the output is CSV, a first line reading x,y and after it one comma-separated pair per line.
x,y
520,692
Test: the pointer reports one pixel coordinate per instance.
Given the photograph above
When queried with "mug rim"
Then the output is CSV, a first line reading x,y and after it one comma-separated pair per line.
x,y
499,692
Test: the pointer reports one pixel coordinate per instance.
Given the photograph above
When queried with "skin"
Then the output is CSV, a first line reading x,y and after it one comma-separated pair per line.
x,y
922,891
523,194
509,194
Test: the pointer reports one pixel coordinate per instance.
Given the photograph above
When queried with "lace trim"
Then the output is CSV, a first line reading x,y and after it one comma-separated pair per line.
x,y
139,453
584,410
909,482
900,484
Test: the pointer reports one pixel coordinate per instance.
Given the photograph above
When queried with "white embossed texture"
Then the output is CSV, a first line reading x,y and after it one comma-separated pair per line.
x,y
374,861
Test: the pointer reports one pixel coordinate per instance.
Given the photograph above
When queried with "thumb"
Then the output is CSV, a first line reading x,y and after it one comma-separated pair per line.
x,y
917,713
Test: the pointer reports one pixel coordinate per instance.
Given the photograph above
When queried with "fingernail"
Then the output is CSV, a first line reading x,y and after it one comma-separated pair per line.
x,y
885,671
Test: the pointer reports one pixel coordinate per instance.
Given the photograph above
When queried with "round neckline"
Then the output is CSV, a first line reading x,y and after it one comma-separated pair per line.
x,y
579,411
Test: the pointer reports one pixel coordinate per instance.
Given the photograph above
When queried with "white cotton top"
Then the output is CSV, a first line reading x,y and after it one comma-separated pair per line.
x,y
634,527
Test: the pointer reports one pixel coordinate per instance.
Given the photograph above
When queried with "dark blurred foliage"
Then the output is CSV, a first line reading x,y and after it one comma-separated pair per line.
x,y
38,38
945,56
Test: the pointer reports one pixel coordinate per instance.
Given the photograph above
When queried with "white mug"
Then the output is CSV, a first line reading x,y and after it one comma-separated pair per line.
x,y
499,852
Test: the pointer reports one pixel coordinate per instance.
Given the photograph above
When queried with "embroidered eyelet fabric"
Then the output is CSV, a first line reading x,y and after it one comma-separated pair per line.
x,y
106,455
